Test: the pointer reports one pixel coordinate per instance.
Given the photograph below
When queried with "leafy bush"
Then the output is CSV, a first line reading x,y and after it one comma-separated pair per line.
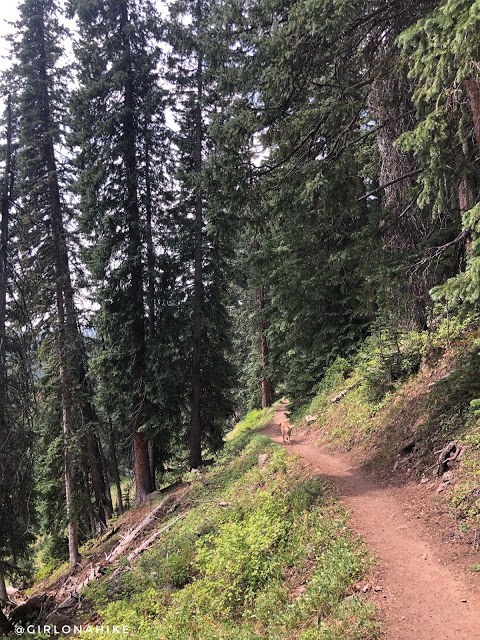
x,y
387,358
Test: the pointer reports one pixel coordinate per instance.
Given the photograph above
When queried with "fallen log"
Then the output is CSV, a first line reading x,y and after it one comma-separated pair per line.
x,y
130,537
344,392
447,375
149,541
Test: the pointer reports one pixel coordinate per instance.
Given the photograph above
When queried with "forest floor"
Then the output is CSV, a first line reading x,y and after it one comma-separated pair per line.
x,y
421,583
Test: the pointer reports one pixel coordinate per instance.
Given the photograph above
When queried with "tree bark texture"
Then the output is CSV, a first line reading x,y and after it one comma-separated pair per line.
x,y
3,587
472,88
116,474
404,226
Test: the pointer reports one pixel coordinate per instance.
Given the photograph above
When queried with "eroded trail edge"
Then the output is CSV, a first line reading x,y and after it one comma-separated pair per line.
x,y
422,597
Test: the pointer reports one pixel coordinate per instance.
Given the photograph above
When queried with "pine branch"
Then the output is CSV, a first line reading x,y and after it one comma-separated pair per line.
x,y
388,184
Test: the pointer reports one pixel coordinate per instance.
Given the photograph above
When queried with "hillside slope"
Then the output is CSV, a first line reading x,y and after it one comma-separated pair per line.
x,y
424,430
254,547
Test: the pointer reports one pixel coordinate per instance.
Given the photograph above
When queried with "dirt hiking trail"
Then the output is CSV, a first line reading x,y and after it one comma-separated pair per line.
x,y
420,594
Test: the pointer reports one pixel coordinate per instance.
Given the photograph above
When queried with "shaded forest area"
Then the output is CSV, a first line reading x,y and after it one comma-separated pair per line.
x,y
202,210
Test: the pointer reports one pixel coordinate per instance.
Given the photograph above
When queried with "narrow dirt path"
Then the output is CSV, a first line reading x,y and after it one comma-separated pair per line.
x,y
421,597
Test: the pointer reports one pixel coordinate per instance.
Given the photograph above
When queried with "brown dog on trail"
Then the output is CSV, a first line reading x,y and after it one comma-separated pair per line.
x,y
286,432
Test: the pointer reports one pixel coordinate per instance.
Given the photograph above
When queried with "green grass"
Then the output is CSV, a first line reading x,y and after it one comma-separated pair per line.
x,y
276,562
254,421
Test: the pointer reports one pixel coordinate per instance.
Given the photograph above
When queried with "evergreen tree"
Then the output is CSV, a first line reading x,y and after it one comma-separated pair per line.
x,y
16,399
114,108
38,51
442,51
42,191
205,238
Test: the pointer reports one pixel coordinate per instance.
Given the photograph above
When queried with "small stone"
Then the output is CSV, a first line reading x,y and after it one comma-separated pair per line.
x,y
447,476
58,620
424,480
463,600
442,487
366,588
377,589
262,458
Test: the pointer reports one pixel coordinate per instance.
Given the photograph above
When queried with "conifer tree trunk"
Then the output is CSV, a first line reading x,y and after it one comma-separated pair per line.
x,y
150,287
152,461
195,421
473,92
140,445
104,473
4,282
62,277
97,482
116,474
266,389
65,386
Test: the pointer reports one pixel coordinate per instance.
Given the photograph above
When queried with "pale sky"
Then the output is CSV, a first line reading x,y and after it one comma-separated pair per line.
x,y
8,13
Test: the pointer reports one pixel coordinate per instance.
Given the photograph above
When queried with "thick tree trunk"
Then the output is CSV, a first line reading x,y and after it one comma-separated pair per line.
x,y
101,504
403,227
152,461
140,443
5,625
266,387
116,474
473,92
195,419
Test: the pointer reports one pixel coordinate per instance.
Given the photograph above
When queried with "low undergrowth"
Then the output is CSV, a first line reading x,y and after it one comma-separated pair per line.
x,y
262,553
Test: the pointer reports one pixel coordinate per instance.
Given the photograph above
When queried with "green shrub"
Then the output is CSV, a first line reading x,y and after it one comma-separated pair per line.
x,y
387,358
171,563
